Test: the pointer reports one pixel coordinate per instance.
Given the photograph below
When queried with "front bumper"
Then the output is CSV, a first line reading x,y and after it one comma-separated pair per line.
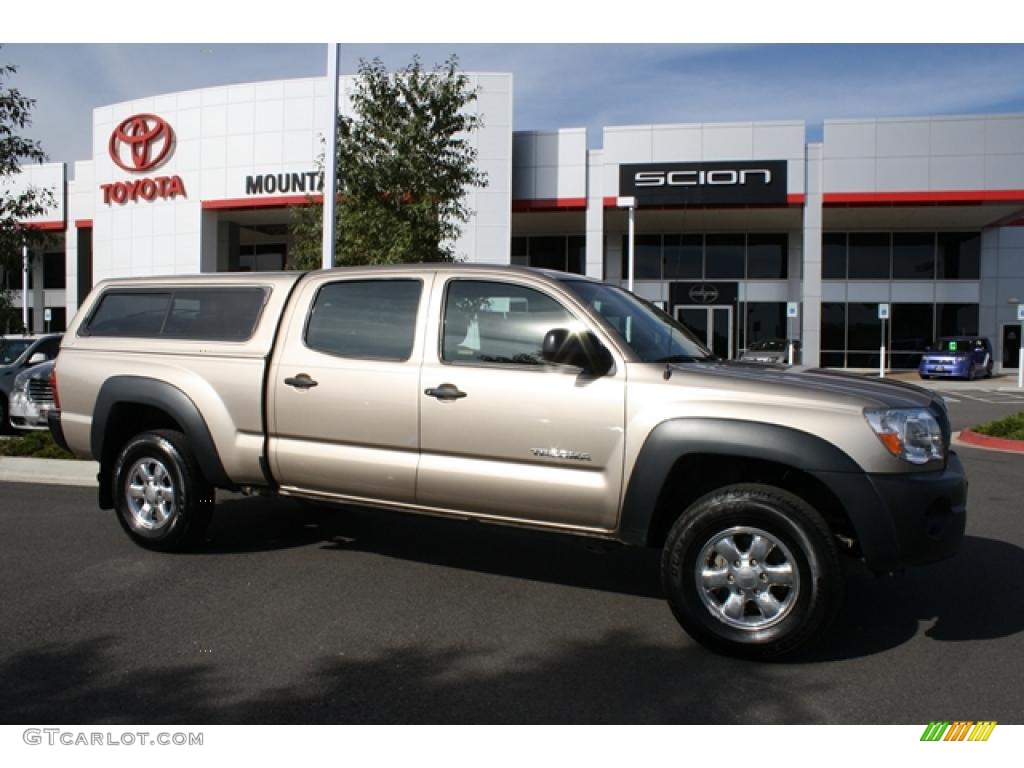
x,y
949,371
26,413
905,519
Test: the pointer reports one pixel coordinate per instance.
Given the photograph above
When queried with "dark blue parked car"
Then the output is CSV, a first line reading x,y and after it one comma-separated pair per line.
x,y
959,357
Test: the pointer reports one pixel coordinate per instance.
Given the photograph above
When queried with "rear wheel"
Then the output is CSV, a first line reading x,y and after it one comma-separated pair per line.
x,y
752,571
162,499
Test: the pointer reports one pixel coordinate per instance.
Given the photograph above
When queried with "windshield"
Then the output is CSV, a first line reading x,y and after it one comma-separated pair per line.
x,y
650,333
11,349
958,343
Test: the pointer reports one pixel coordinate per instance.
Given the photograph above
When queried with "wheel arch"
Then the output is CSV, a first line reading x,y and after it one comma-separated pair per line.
x,y
128,405
684,459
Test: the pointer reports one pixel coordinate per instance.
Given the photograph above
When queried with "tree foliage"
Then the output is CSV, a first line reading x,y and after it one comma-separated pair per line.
x,y
16,207
404,163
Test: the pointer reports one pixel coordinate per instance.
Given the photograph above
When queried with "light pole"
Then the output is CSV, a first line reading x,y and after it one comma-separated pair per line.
x,y
630,203
331,158
24,287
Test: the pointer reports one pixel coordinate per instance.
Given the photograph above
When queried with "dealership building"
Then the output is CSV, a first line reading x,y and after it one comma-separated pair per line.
x,y
743,231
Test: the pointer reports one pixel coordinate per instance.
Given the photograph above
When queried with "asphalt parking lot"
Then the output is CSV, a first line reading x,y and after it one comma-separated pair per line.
x,y
294,613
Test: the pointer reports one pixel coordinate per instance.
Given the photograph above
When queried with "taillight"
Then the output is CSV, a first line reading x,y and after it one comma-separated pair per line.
x,y
53,387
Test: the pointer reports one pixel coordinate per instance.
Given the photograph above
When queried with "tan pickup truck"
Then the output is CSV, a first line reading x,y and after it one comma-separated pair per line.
x,y
510,396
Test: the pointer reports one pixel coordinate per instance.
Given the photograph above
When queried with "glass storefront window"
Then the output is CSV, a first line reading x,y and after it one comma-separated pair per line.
x,y
864,331
519,252
833,325
724,257
767,257
647,257
684,257
913,256
910,333
959,256
869,256
576,255
765,320
833,256
956,319
547,253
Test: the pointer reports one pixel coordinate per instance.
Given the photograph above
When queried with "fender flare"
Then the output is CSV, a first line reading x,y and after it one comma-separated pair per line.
x,y
676,438
140,390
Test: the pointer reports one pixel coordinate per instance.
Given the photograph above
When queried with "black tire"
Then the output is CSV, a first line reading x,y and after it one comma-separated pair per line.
x,y
170,510
923,376
971,373
988,370
5,427
800,544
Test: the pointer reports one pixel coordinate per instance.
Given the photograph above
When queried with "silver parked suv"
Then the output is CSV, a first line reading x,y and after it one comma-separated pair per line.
x,y
518,397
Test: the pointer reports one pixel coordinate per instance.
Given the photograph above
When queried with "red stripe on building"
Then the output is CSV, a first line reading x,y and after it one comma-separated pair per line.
x,y
83,223
247,203
48,226
943,197
791,200
550,204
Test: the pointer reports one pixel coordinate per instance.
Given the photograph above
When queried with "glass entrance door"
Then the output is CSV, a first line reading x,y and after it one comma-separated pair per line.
x,y
710,324
1011,346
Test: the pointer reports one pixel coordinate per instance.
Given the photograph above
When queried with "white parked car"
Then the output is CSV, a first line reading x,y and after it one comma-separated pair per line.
x,y
32,397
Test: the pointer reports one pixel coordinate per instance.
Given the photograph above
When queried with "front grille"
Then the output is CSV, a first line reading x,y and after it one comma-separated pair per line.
x,y
40,391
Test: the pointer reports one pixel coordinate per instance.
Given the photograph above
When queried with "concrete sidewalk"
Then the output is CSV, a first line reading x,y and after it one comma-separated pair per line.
x,y
50,471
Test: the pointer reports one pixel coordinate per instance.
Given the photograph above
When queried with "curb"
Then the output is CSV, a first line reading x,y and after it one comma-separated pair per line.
x,y
15,469
993,443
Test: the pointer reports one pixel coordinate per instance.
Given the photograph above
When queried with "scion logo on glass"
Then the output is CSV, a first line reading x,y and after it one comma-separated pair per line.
x,y
141,142
703,294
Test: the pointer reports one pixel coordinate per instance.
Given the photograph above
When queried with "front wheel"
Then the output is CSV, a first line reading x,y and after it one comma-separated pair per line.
x,y
752,571
162,499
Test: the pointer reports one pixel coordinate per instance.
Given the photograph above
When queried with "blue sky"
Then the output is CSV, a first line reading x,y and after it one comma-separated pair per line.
x,y
556,85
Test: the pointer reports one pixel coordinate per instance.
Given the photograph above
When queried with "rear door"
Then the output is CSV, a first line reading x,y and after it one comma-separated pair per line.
x,y
344,389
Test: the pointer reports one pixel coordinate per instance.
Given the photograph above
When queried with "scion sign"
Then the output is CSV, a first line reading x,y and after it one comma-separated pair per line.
x,y
718,183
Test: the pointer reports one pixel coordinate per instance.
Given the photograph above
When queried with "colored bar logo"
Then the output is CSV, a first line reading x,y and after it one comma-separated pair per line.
x,y
959,730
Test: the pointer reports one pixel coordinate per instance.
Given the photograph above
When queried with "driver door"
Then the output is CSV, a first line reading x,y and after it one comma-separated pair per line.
x,y
504,435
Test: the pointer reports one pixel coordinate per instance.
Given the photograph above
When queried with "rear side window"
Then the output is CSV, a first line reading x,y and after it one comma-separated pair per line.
x,y
217,314
369,319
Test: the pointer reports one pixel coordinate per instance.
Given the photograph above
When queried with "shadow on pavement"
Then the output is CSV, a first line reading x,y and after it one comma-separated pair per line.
x,y
263,524
969,597
615,678
972,596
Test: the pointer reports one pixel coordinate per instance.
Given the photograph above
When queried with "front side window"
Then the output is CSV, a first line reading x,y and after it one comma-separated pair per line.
x,y
365,319
652,335
503,323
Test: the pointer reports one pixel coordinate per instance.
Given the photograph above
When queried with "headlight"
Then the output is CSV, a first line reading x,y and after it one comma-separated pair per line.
x,y
21,382
911,434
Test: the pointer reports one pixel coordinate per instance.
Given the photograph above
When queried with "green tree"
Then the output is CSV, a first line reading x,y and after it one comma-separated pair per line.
x,y
404,164
16,207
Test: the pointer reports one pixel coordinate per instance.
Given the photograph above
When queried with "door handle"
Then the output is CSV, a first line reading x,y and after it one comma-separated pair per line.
x,y
302,381
445,392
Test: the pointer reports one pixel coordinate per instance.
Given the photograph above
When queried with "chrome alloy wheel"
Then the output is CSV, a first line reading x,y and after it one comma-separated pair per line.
x,y
150,493
747,578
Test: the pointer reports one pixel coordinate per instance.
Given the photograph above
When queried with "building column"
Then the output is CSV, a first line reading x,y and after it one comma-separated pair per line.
x,y
811,294
595,215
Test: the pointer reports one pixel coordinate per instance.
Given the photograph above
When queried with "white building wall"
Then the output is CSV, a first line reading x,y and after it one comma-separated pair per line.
x,y
550,165
929,154
225,134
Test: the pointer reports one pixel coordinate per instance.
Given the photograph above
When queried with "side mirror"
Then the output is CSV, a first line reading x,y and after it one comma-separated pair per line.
x,y
583,350
37,358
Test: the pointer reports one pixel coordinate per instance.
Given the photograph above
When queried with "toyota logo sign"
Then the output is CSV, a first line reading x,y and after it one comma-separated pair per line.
x,y
141,142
